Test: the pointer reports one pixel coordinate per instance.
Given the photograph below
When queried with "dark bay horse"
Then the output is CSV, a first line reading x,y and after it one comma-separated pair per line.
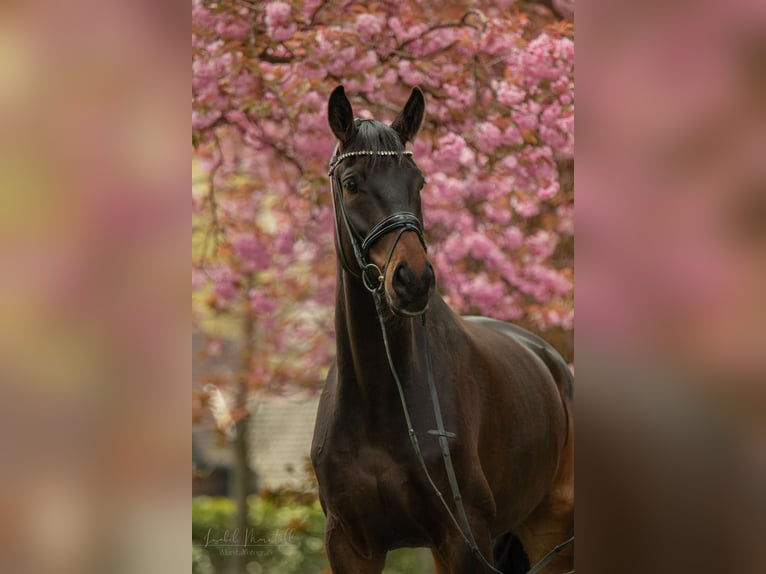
x,y
433,430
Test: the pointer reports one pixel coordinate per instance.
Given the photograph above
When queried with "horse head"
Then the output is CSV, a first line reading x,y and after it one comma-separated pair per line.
x,y
376,190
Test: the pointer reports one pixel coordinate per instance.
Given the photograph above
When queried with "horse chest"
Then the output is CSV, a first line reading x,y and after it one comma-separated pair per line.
x,y
370,488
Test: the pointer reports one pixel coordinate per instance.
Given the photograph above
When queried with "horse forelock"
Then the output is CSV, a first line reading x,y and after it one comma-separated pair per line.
x,y
372,135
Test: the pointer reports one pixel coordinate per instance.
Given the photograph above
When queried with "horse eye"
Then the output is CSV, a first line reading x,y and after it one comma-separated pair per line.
x,y
349,186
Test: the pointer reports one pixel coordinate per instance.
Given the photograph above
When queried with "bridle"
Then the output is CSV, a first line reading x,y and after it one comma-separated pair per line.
x,y
373,279
371,275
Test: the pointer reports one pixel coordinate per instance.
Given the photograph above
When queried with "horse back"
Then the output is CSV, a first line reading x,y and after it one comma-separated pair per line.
x,y
550,357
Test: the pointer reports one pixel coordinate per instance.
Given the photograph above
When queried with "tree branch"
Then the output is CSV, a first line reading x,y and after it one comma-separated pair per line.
x,y
214,229
272,59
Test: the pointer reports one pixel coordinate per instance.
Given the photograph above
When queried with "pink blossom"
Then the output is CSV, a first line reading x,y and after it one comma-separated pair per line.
x,y
204,76
548,191
482,293
550,114
234,28
310,7
285,241
198,279
509,309
566,127
546,58
460,97
500,215
512,238
564,49
555,139
547,282
277,14
238,117
369,24
278,24
452,151
542,244
309,146
478,246
225,283
368,84
526,120
507,270
202,17
510,162
565,214
366,61
554,317
488,137
396,27
409,74
512,136
283,34
260,303
525,207
483,189
508,95
202,119
389,77
251,252
241,83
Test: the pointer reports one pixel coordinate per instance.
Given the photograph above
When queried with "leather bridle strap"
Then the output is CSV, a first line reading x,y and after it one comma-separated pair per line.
x,y
402,219
339,208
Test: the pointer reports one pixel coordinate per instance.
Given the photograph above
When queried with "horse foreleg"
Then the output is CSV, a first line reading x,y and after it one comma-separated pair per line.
x,y
537,544
344,558
454,556
552,522
439,566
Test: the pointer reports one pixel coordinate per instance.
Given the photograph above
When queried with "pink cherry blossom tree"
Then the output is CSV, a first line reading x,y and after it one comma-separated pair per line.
x,y
496,148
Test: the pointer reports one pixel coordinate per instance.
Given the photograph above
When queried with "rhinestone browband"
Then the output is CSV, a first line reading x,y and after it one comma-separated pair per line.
x,y
336,159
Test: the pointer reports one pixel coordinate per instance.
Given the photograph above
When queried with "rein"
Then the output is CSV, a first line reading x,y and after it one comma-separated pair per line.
x,y
407,221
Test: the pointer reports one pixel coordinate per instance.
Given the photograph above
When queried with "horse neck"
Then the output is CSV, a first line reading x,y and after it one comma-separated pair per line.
x,y
361,353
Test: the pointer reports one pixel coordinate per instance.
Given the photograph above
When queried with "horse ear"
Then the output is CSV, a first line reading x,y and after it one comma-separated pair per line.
x,y
341,116
408,122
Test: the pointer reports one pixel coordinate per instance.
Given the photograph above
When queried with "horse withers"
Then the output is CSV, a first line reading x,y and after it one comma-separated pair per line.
x,y
433,430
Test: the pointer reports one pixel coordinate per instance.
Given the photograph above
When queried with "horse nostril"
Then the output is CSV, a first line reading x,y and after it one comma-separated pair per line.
x,y
403,278
407,285
428,274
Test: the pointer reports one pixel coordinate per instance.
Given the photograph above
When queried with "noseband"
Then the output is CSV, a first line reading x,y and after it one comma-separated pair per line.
x,y
370,274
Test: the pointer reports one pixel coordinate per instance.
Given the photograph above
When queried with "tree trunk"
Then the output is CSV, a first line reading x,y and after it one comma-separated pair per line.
x,y
242,475
241,491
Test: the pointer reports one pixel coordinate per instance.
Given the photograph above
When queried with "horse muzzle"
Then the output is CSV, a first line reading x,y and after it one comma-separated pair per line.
x,y
410,291
409,278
